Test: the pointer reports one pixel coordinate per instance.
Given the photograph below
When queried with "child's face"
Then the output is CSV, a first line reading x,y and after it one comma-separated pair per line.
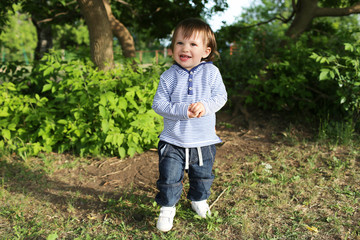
x,y
189,52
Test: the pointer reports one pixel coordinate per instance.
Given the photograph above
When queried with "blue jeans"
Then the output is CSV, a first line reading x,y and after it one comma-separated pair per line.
x,y
171,169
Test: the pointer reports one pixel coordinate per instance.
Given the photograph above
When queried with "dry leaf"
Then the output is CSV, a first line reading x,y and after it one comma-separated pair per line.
x,y
312,229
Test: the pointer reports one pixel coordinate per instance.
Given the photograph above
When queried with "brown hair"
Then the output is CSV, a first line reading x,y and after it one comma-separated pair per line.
x,y
191,25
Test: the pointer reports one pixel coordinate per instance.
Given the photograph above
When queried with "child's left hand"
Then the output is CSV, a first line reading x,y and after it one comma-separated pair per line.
x,y
197,110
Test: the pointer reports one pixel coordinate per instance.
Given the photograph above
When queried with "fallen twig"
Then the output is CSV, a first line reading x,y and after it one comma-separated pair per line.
x,y
112,173
101,164
217,199
117,162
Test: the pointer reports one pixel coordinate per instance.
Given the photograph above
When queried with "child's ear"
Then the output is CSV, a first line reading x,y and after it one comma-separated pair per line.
x,y
207,52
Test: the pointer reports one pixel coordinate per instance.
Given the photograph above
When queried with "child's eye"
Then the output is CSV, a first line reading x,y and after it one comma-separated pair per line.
x,y
194,44
179,43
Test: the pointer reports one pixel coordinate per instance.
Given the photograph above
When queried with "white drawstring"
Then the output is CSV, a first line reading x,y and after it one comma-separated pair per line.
x,y
200,156
187,157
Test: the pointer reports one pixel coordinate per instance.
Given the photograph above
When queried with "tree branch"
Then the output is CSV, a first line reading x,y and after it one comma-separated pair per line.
x,y
294,5
58,14
261,23
286,20
123,2
337,12
281,18
51,19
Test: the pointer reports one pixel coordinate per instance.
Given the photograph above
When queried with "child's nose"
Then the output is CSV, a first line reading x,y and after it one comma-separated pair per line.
x,y
185,48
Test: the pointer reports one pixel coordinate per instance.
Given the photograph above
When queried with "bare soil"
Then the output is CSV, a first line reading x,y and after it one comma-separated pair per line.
x,y
110,175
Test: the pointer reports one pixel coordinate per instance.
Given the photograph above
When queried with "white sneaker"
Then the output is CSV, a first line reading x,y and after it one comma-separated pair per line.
x,y
166,218
201,208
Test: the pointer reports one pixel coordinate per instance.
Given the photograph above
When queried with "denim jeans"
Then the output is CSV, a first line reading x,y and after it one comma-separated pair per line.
x,y
171,173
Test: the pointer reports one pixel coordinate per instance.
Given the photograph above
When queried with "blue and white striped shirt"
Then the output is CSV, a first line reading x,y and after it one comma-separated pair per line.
x,y
177,89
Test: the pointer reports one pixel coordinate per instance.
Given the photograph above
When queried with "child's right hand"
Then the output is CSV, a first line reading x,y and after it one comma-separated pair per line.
x,y
191,114
196,110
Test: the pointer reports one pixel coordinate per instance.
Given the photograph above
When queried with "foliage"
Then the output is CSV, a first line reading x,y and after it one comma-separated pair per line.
x,y
250,49
264,10
5,8
344,71
144,19
150,20
287,86
55,12
292,81
18,38
287,78
71,35
70,106
337,3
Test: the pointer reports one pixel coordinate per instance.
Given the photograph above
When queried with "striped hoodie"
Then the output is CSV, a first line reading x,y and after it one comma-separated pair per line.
x,y
177,89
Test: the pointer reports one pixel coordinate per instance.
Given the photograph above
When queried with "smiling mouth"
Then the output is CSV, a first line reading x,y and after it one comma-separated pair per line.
x,y
184,57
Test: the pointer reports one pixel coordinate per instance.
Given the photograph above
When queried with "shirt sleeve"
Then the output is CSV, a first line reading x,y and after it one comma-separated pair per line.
x,y
218,96
163,106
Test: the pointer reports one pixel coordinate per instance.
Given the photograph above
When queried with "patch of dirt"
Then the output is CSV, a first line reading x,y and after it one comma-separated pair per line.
x,y
141,171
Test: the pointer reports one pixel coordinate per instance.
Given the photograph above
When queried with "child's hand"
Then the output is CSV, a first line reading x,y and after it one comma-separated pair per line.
x,y
191,114
196,110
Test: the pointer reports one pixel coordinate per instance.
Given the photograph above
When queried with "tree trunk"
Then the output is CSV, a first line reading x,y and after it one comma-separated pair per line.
x,y
101,38
121,33
44,39
304,13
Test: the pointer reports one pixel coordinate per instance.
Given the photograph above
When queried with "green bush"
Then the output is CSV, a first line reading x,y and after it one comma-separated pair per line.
x,y
318,86
250,50
70,106
343,71
269,71
288,82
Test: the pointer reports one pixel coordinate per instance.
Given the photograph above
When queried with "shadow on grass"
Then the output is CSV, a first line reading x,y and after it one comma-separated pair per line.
x,y
130,207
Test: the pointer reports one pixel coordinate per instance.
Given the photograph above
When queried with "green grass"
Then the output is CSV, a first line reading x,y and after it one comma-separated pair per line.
x,y
302,190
